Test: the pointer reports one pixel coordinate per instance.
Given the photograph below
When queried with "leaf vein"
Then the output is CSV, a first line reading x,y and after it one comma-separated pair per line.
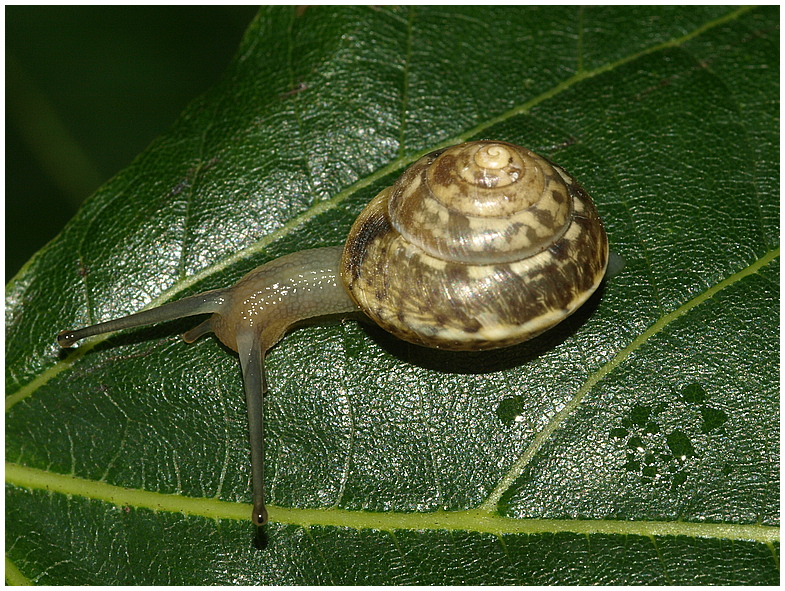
x,y
539,440
467,520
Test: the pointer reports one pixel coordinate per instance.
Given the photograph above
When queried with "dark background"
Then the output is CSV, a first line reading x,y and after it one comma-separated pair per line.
x,y
87,89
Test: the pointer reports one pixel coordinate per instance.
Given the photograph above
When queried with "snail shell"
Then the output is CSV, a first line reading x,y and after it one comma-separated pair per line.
x,y
478,246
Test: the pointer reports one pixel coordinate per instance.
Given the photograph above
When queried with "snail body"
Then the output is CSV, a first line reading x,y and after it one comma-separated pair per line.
x,y
479,246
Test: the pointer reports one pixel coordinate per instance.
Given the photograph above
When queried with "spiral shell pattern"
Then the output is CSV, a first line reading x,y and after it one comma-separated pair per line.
x,y
479,246
482,202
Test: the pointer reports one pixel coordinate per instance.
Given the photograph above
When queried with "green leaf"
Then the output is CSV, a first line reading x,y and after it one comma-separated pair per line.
x,y
635,443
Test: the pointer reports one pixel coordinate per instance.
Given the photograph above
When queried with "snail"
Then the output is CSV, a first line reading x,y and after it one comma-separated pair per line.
x,y
478,246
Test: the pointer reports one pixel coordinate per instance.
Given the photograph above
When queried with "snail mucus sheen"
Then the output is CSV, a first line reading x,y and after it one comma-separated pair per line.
x,y
478,246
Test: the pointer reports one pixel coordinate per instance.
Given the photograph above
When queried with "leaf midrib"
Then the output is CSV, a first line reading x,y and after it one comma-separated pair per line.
x,y
483,518
474,520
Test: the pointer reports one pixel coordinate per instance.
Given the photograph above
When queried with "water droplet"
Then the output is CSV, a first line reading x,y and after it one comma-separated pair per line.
x,y
510,410
713,418
680,445
632,466
678,480
640,415
652,428
635,443
694,393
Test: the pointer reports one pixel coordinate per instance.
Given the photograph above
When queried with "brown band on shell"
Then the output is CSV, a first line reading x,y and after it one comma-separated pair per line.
x,y
369,228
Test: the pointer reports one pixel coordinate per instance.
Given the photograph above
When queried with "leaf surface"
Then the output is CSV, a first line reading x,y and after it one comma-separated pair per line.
x,y
635,443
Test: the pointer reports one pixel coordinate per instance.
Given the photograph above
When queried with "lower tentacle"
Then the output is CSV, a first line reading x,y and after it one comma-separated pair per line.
x,y
252,362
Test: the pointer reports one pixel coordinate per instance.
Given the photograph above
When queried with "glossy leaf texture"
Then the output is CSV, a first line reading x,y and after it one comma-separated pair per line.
x,y
636,443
